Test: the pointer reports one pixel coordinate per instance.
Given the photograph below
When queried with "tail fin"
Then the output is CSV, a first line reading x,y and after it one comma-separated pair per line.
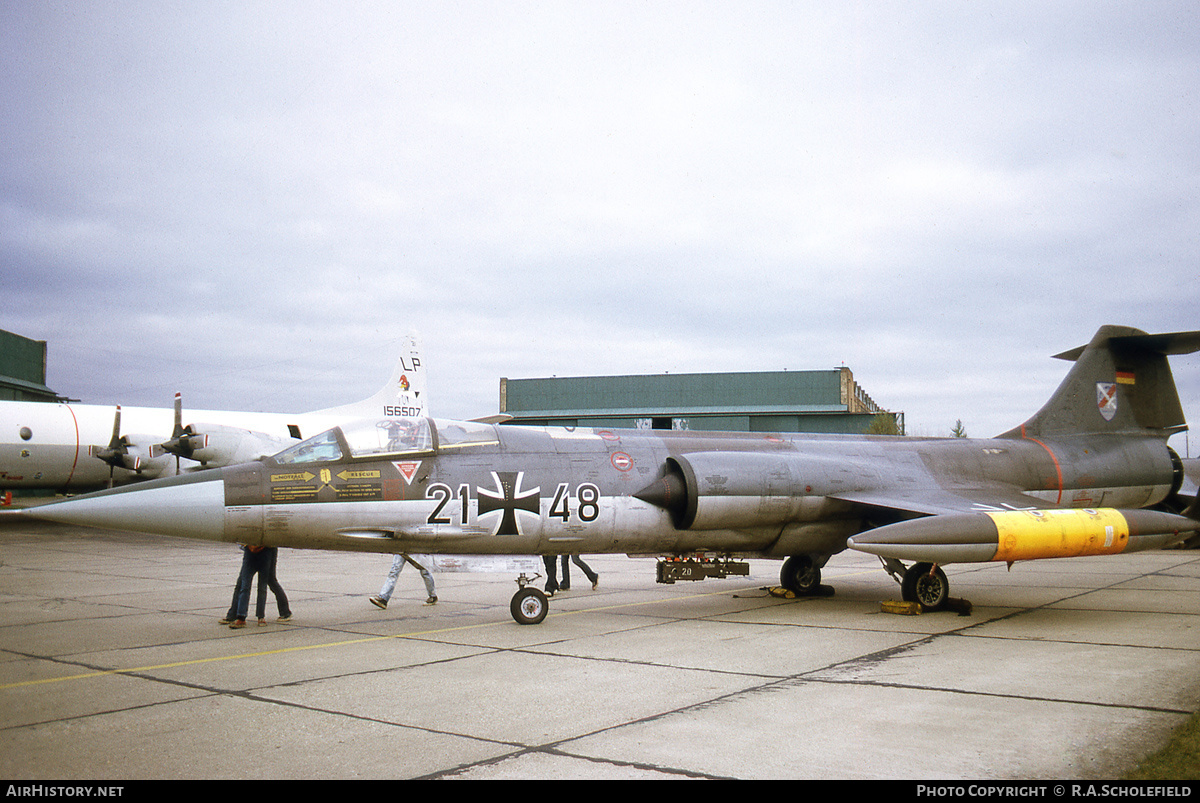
x,y
1120,383
404,393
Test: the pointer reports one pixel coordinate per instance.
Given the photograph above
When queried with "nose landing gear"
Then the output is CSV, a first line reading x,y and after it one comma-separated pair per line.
x,y
529,606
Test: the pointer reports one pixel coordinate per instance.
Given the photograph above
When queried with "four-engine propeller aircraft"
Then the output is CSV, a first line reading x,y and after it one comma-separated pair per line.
x,y
69,448
1075,479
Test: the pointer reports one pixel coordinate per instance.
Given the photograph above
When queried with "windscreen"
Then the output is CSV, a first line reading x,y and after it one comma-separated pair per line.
x,y
317,449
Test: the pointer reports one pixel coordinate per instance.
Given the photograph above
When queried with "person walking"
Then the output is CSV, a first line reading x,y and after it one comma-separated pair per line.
x,y
565,585
389,584
261,561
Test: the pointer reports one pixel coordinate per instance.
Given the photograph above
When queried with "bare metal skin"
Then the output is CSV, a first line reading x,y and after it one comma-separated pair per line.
x,y
1075,479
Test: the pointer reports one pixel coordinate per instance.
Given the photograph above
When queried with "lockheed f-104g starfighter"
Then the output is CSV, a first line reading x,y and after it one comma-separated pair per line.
x,y
1089,474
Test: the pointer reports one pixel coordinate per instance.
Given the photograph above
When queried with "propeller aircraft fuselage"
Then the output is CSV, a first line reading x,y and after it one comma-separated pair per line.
x,y
1077,479
68,447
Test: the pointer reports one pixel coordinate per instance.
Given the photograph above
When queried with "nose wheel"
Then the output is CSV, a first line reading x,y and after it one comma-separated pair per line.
x,y
529,606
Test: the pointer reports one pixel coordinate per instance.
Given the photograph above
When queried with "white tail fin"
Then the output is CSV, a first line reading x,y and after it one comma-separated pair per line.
x,y
403,395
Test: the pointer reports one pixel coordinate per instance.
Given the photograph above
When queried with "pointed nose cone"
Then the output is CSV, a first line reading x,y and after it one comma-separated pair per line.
x,y
191,506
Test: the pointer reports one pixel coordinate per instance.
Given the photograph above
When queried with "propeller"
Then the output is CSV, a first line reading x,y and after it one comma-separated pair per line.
x,y
184,440
116,454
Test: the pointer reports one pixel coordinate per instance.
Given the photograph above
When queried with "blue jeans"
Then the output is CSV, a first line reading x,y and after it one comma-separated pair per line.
x,y
263,564
566,570
398,561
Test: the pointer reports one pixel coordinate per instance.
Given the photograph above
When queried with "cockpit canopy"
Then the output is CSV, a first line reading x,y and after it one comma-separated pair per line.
x,y
380,437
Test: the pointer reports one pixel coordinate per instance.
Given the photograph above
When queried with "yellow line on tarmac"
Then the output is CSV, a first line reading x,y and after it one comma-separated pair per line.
x,y
349,642
240,656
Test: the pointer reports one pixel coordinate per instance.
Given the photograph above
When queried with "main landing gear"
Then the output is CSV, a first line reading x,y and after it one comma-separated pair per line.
x,y
925,583
801,574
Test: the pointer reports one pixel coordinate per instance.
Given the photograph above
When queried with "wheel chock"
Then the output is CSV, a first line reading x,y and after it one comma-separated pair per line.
x,y
960,606
900,608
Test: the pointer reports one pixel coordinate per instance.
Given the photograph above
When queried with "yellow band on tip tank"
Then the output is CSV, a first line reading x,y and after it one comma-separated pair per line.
x,y
1030,534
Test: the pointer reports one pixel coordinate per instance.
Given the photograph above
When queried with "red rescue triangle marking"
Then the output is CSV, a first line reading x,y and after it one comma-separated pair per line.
x,y
408,469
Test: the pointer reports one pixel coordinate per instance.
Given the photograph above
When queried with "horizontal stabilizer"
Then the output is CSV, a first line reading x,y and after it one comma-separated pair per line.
x,y
1121,383
1165,344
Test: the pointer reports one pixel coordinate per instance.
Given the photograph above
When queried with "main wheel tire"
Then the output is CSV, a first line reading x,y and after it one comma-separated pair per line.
x,y
529,606
800,576
926,584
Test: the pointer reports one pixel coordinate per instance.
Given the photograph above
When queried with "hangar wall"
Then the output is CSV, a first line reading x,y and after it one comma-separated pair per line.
x,y
826,401
23,369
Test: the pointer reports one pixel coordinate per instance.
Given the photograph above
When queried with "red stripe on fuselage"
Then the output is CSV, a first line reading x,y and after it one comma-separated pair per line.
x,y
74,462
1057,467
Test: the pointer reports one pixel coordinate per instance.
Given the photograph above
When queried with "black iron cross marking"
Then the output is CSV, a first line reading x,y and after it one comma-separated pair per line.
x,y
509,499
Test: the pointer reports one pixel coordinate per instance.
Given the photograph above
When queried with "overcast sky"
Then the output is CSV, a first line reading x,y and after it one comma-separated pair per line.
x,y
252,202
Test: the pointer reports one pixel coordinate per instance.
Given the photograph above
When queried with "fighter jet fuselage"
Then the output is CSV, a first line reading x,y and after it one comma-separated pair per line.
x,y
484,489
1075,479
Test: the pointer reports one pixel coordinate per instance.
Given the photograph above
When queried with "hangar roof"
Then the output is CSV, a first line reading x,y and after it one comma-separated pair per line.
x,y
800,401
823,391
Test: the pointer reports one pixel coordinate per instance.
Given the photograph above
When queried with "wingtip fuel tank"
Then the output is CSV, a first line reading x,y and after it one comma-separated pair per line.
x,y
1012,535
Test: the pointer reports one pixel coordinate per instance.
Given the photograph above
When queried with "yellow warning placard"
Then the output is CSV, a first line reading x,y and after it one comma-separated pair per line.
x,y
298,476
372,474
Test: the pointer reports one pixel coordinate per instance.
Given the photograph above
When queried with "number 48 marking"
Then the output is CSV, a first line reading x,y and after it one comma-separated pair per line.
x,y
587,498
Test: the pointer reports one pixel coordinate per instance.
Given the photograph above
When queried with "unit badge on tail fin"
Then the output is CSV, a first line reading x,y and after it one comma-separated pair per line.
x,y
1106,399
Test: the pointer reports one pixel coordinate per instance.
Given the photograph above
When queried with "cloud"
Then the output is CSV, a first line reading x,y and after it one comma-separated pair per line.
x,y
252,202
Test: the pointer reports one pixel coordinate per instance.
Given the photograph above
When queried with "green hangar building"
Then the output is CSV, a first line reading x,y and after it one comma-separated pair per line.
x,y
777,401
23,370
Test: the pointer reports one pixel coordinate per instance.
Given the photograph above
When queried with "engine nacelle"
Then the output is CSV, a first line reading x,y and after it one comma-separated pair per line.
x,y
738,490
218,445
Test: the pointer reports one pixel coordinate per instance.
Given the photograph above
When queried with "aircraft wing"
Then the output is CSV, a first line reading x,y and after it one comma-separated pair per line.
x,y
941,502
